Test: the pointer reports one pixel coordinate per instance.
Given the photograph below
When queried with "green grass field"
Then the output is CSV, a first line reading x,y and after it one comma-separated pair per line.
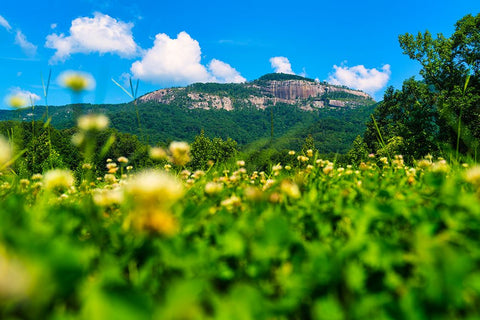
x,y
306,240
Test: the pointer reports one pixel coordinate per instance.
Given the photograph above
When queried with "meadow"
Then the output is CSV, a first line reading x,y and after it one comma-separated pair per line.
x,y
389,230
306,239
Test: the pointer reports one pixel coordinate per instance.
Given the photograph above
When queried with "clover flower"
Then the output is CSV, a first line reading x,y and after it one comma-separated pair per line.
x,y
58,180
77,81
93,122
154,187
157,153
122,159
472,176
151,194
290,188
212,188
6,152
17,101
15,280
108,197
180,153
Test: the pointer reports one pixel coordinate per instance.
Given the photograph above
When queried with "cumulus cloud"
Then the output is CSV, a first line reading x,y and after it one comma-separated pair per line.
x,y
179,61
102,34
4,23
27,47
281,65
28,97
361,78
223,72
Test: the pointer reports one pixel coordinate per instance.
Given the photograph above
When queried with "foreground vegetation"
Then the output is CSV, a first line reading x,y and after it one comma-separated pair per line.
x,y
306,239
195,232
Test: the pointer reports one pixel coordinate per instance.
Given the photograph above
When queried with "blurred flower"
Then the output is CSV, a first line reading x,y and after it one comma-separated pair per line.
x,y
290,188
328,169
24,183
37,176
241,163
231,202
93,122
154,187
17,101
198,174
472,176
58,180
291,152
212,188
15,280
106,197
440,166
122,160
253,193
157,221
310,153
77,81
19,98
86,166
6,152
151,194
157,153
78,138
110,178
180,153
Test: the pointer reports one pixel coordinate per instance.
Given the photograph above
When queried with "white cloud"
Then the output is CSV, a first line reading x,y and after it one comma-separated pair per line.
x,y
361,78
223,72
178,61
53,26
281,65
27,47
4,23
28,97
102,34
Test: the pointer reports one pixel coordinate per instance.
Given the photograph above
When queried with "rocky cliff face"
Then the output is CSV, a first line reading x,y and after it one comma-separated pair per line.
x,y
305,94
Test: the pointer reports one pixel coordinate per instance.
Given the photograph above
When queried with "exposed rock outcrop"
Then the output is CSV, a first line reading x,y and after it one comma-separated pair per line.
x,y
305,94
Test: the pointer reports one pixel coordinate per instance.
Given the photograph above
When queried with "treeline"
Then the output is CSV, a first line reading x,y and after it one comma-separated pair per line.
x,y
439,114
41,147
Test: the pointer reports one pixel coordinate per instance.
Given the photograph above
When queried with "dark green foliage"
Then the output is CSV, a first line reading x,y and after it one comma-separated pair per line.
x,y
409,113
450,68
38,153
442,111
358,152
282,77
309,144
45,147
215,151
224,89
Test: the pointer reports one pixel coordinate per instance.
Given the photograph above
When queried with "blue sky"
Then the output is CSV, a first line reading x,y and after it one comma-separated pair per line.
x,y
174,43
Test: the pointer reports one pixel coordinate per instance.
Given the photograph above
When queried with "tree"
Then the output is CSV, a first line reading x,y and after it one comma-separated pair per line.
x,y
444,107
201,151
358,152
409,113
451,69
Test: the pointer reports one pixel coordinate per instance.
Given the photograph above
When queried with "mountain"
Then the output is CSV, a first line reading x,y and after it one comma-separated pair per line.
x,y
298,106
304,93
